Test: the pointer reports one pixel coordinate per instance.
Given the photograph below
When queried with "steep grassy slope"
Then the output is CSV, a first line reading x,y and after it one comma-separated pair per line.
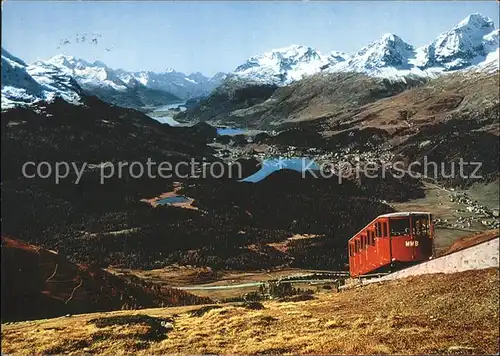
x,y
318,96
37,283
233,94
427,104
342,101
469,97
321,96
431,314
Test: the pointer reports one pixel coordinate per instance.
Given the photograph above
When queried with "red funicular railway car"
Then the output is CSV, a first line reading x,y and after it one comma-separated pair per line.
x,y
391,240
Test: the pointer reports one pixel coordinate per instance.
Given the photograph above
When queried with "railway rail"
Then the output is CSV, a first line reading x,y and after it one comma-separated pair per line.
x,y
482,255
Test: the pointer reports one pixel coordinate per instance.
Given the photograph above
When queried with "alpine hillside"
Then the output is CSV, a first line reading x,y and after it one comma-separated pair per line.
x,y
298,83
24,84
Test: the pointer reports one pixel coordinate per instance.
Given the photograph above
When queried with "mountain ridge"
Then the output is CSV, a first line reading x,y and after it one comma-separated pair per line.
x,y
470,44
473,44
24,84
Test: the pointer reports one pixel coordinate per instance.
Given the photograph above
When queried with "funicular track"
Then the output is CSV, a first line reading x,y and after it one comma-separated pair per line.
x,y
480,256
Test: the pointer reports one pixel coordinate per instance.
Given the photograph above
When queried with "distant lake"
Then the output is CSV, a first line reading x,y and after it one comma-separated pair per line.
x,y
275,164
226,131
180,105
166,120
172,200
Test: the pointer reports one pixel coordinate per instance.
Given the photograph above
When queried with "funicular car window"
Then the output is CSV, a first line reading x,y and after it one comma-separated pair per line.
x,y
399,227
373,238
385,229
420,226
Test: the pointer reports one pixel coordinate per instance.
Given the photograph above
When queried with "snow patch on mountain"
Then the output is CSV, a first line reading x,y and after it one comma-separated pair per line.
x,y
388,51
24,84
471,44
464,45
184,86
283,66
115,86
97,78
89,75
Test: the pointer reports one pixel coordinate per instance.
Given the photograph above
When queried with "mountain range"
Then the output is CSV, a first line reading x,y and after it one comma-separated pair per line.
x,y
69,77
27,84
136,89
473,44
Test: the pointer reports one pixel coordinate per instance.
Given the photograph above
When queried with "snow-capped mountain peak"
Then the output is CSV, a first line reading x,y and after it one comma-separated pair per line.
x,y
24,84
197,77
388,51
13,60
473,42
219,77
282,65
476,20
466,44
282,57
182,85
64,61
294,51
97,76
92,75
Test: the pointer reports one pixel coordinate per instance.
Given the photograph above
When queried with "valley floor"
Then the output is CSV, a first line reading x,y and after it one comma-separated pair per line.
x,y
442,313
452,219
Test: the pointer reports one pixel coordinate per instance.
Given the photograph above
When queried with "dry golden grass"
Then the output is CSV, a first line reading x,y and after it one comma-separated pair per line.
x,y
419,315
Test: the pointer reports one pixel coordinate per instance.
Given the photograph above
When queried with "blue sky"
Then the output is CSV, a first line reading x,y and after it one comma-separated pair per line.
x,y
217,36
